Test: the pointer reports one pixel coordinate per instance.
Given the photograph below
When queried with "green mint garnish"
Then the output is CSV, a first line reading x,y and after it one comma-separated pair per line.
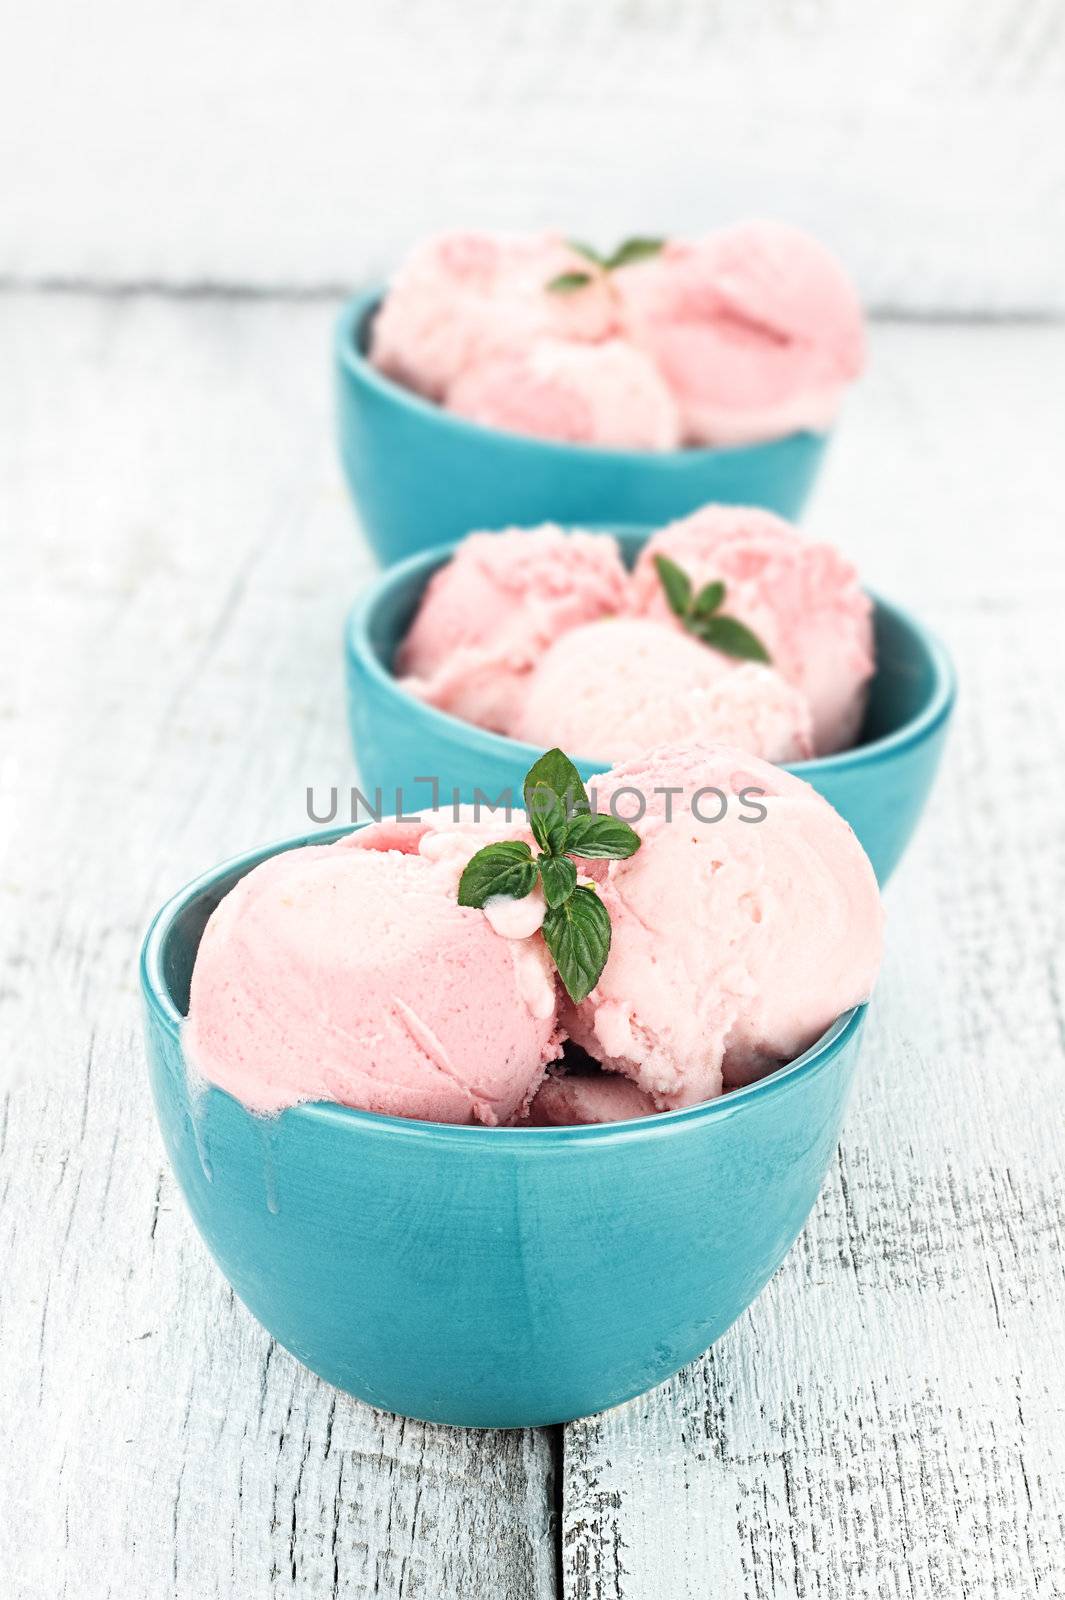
x,y
702,617
504,868
577,933
677,585
708,600
628,251
576,928
588,251
732,638
567,282
600,838
559,878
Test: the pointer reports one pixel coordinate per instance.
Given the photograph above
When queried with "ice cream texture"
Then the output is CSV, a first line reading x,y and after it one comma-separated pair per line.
x,y
755,328
583,1099
617,687
488,616
462,298
802,598
545,637
610,395
750,332
735,942
746,922
425,1012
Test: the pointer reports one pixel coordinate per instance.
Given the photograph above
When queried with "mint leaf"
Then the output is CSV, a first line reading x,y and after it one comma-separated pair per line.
x,y
547,817
556,772
732,638
701,616
631,250
559,878
707,600
587,251
503,868
676,583
576,926
601,838
577,933
568,282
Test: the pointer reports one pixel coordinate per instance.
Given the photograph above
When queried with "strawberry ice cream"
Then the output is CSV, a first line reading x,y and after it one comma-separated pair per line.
x,y
544,636
615,688
751,332
461,298
735,942
802,599
488,616
609,394
756,329
424,1010
572,1099
740,920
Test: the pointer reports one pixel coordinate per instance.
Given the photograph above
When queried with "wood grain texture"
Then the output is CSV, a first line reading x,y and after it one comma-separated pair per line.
x,y
178,554
304,143
889,1417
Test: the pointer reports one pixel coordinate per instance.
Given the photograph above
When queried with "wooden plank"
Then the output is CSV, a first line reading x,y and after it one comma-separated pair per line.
x,y
889,1418
305,144
178,554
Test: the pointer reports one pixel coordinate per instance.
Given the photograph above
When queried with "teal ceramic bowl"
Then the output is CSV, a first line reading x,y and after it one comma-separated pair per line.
x,y
401,744
488,1277
421,477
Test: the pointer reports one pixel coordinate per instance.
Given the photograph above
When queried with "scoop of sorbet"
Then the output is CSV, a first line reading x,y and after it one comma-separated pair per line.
x,y
746,923
487,617
611,689
574,1099
802,599
462,298
756,328
610,395
349,972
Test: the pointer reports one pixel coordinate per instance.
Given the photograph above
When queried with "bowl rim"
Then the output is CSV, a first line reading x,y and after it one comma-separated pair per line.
x,y
352,359
358,647
165,1013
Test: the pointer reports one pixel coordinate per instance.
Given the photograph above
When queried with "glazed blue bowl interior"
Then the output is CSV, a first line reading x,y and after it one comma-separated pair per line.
x,y
489,1277
422,477
880,786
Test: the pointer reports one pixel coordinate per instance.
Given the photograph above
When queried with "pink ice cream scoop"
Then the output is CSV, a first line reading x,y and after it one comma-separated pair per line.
x,y
489,615
349,972
611,689
746,923
802,599
756,328
608,394
572,1099
460,299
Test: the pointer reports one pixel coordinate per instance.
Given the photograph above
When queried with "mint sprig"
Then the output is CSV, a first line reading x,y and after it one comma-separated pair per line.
x,y
577,933
504,868
559,878
576,927
567,282
638,248
701,614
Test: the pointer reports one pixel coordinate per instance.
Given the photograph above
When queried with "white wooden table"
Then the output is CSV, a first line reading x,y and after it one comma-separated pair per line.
x,y
889,1417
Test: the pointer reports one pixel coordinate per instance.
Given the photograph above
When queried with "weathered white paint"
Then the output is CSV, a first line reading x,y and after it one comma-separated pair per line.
x,y
178,555
301,142
889,1418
